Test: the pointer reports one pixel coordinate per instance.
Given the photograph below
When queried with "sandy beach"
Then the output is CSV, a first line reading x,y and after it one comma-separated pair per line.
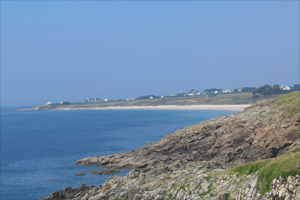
x,y
240,107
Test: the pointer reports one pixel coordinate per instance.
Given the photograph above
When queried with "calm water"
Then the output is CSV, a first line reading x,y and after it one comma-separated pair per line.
x,y
38,149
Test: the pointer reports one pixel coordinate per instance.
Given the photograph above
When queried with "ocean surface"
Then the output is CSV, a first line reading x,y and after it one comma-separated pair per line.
x,y
39,148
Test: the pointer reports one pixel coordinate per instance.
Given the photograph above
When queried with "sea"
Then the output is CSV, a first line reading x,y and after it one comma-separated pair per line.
x,y
39,148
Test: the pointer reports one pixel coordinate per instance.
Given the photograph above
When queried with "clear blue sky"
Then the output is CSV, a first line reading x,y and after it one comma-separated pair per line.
x,y
73,50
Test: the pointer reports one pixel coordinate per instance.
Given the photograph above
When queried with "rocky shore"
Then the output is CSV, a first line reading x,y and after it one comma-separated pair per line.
x,y
192,163
261,131
183,181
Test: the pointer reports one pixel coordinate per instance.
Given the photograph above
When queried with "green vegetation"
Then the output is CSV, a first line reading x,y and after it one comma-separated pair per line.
x,y
170,197
207,192
141,184
290,102
182,188
173,186
268,170
207,177
198,186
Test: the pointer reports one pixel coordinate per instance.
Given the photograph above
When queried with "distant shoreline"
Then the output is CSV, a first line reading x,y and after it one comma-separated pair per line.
x,y
239,107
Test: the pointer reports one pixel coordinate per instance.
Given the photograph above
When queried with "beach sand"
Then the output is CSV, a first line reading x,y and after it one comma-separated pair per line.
x,y
240,107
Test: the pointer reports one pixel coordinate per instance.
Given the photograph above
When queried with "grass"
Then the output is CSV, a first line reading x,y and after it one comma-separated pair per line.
x,y
173,186
290,102
207,192
141,184
268,170
207,177
182,188
198,186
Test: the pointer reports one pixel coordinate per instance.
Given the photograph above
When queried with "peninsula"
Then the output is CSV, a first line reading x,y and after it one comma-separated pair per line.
x,y
230,101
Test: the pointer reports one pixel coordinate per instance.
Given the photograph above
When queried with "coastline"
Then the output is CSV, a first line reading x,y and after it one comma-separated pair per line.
x,y
239,107
193,163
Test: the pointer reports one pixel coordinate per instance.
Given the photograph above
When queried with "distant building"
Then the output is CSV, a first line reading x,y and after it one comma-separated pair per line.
x,y
284,87
89,100
192,93
173,95
226,91
211,91
151,97
216,92
239,89
49,103
64,102
161,96
105,99
198,93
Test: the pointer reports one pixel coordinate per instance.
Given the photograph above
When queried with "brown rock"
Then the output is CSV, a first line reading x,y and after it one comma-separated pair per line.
x,y
231,140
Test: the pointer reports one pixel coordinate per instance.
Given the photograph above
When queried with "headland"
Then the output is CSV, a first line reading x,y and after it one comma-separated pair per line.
x,y
252,154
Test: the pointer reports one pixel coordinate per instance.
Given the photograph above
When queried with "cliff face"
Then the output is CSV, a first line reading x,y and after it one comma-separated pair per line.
x,y
192,163
264,130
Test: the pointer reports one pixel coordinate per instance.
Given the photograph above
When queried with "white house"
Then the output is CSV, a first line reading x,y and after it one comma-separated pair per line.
x,y
151,97
226,91
191,94
105,99
61,102
216,92
284,87
161,96
49,103
198,93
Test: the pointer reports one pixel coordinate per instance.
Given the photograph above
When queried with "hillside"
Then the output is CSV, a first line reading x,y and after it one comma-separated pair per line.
x,y
193,163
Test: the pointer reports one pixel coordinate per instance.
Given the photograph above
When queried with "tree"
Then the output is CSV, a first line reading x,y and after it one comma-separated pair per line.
x,y
296,87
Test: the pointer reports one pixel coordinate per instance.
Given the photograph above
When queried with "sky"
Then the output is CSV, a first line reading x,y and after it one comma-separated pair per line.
x,y
73,50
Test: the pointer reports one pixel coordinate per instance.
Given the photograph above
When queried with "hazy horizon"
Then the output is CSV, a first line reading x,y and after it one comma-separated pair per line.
x,y
73,50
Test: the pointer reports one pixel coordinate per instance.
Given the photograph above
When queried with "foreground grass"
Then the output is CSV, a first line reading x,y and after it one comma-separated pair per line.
x,y
268,170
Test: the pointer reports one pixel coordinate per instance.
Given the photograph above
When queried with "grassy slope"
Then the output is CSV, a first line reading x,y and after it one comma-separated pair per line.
x,y
290,103
268,170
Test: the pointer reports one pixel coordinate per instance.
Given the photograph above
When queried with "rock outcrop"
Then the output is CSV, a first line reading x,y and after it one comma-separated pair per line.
x,y
183,181
261,131
192,163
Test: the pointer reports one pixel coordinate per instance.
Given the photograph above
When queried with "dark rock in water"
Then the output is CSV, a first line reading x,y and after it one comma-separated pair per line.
x,y
79,174
108,171
69,193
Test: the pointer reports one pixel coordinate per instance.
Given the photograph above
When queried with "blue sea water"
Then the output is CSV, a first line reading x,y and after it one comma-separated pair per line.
x,y
39,148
